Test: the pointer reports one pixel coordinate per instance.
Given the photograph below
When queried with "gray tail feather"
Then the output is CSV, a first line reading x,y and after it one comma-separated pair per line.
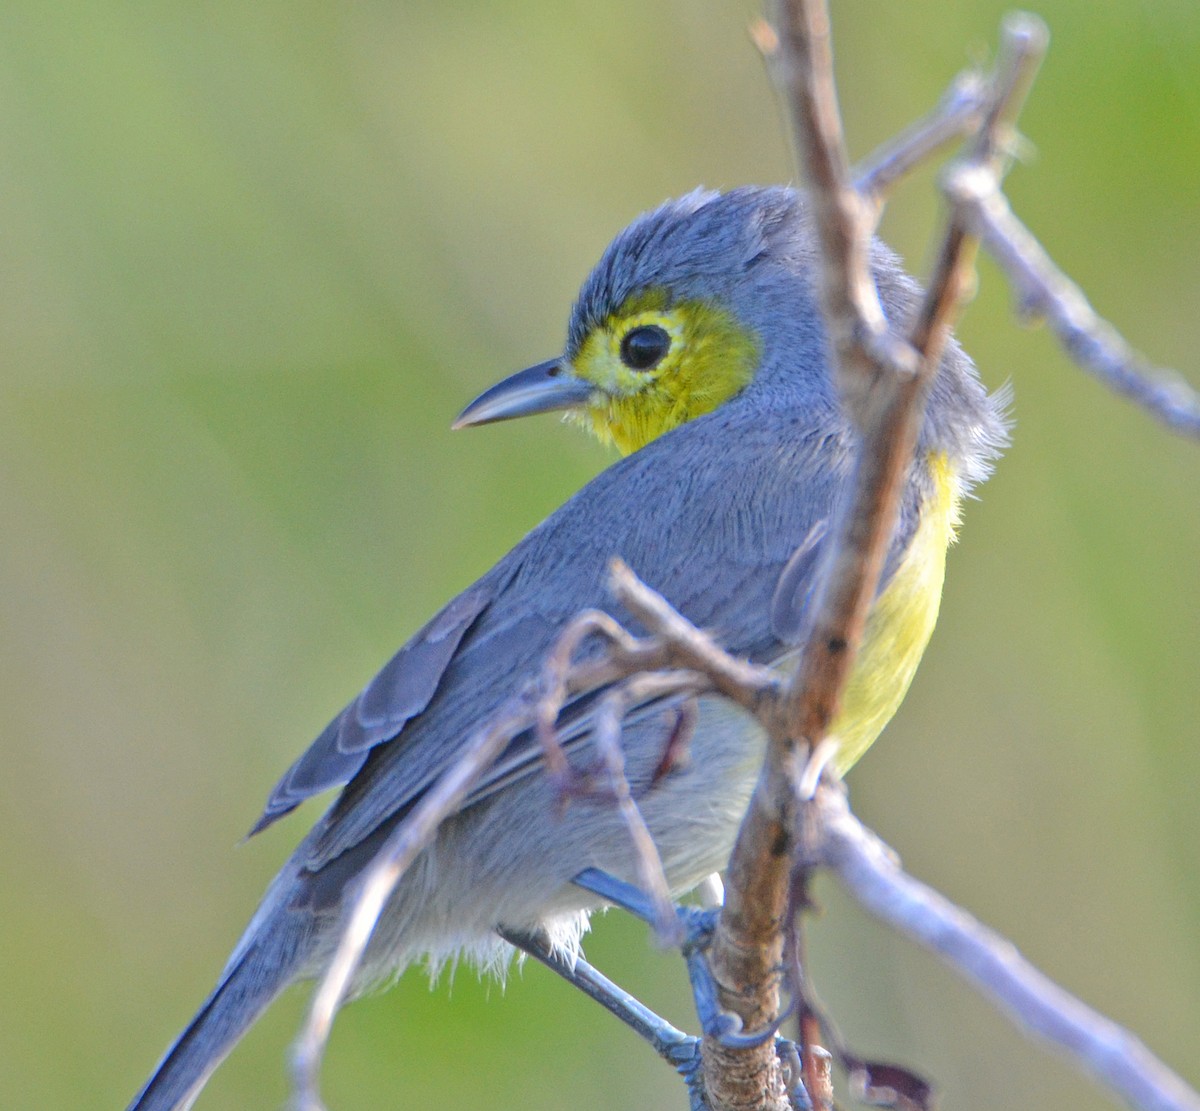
x,y
256,975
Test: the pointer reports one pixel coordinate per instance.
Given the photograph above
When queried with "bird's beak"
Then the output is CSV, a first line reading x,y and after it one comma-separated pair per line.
x,y
544,388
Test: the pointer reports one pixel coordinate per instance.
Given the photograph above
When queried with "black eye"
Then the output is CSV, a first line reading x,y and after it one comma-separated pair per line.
x,y
644,347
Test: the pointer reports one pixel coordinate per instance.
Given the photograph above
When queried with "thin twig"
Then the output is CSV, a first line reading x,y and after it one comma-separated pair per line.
x,y
955,115
560,676
880,379
557,674
626,655
810,1033
1044,290
607,737
686,646
872,873
876,1083
881,386
1022,47
958,113
832,837
876,383
628,658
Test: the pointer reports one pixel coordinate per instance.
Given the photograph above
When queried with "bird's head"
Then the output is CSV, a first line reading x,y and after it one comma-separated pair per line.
x,y
668,326
708,300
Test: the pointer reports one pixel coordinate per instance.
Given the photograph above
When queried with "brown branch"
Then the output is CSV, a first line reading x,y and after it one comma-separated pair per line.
x,y
853,315
818,1065
830,836
747,949
682,645
748,946
881,382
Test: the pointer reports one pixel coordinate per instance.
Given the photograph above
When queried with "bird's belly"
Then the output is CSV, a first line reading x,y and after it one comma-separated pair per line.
x,y
510,859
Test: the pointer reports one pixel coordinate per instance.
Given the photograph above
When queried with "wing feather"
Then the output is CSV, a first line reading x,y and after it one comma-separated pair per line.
x,y
400,691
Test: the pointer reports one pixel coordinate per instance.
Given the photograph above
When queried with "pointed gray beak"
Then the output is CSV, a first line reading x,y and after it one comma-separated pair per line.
x,y
544,388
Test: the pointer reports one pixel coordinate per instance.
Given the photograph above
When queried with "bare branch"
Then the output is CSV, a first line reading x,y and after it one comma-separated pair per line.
x,y
958,113
818,1068
803,66
871,872
745,683
644,664
607,736
829,836
1022,47
880,391
881,380
1044,290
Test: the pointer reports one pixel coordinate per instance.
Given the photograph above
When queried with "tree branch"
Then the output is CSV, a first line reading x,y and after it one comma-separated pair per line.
x,y
957,114
871,872
379,881
1044,290
830,836
882,382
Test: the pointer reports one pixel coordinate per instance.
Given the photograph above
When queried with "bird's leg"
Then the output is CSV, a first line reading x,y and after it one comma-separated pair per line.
x,y
621,894
698,924
680,1049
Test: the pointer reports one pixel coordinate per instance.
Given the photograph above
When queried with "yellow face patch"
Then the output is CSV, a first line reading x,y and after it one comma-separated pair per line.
x,y
707,358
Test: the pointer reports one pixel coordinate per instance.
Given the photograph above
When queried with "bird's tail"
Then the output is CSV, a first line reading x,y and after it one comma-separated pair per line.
x,y
261,967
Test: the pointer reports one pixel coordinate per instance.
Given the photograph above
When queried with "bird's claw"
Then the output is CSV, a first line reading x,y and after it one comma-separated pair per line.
x,y
726,1029
723,1026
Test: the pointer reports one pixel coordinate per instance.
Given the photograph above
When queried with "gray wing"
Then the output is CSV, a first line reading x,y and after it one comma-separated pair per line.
x,y
714,541
399,692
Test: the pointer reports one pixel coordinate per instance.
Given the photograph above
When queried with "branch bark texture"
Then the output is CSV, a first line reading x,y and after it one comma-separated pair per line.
x,y
882,380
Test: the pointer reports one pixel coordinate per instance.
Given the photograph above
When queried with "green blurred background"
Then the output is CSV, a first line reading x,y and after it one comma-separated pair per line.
x,y
256,256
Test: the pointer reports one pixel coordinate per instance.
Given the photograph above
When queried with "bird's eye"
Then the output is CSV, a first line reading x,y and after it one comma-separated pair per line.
x,y
644,347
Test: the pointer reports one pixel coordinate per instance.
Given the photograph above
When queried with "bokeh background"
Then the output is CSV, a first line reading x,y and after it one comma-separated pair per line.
x,y
256,256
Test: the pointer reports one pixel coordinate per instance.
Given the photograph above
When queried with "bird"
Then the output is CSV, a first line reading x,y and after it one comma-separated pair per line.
x,y
696,348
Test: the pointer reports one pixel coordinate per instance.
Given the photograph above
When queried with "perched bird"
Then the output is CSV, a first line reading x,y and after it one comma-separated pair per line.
x,y
696,348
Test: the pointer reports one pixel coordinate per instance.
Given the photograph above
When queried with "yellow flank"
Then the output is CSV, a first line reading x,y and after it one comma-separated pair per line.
x,y
900,624
710,359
